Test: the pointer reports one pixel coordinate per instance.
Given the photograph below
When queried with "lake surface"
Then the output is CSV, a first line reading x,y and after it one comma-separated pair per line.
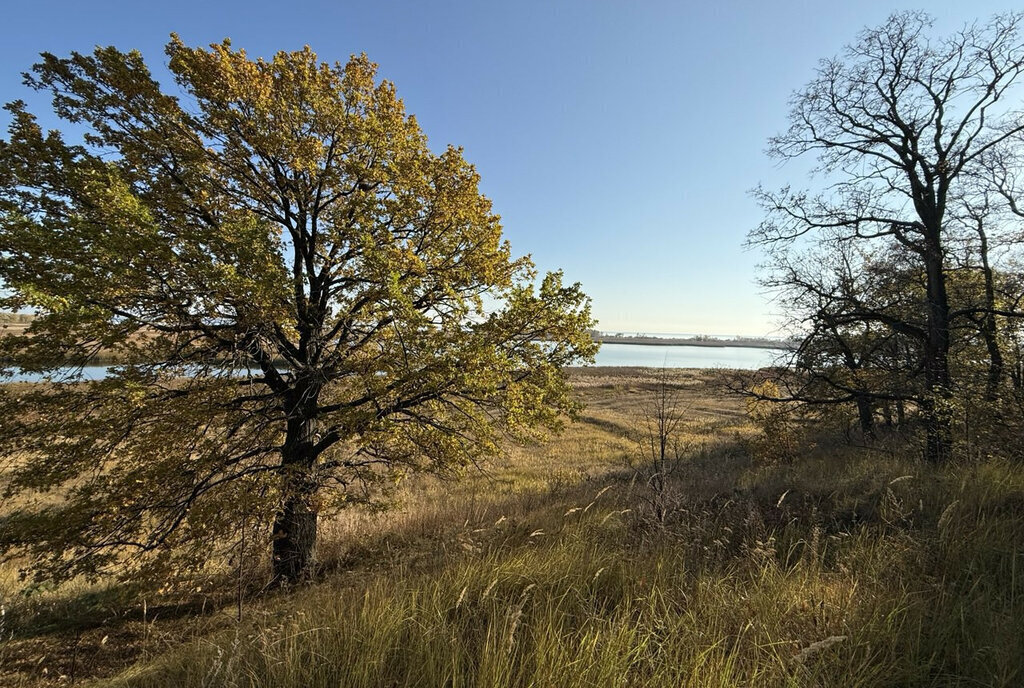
x,y
91,372
675,356
682,356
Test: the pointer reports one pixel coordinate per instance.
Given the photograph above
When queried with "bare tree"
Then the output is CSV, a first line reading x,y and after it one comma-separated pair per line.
x,y
859,333
659,446
896,123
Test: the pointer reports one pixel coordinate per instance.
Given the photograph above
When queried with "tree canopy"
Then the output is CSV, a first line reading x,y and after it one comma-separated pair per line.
x,y
302,300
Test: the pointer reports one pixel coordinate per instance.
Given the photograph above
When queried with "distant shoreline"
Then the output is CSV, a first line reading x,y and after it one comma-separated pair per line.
x,y
16,324
748,343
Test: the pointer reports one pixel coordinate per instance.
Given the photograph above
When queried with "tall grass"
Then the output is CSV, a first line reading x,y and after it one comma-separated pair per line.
x,y
840,571
846,567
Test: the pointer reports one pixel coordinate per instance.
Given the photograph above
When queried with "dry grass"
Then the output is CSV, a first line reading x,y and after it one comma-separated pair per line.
x,y
847,568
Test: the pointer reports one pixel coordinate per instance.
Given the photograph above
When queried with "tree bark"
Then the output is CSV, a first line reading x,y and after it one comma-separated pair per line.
x,y
936,353
1017,368
294,541
866,415
989,330
295,527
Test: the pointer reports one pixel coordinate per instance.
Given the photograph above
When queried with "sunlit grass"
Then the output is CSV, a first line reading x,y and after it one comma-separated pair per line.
x,y
732,592
850,567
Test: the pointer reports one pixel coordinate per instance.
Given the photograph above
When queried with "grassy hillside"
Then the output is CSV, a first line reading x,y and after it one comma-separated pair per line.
x,y
848,567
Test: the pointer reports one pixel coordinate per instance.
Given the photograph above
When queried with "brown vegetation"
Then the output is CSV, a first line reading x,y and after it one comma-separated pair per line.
x,y
844,566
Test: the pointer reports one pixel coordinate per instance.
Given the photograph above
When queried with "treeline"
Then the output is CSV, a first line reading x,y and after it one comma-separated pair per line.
x,y
902,273
699,340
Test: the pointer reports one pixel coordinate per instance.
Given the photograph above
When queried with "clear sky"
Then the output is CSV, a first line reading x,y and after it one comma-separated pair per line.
x,y
618,140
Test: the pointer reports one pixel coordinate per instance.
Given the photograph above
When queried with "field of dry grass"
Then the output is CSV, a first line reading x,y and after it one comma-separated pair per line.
x,y
849,566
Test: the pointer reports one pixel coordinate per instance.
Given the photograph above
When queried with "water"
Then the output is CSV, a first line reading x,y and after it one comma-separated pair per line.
x,y
89,372
682,356
675,356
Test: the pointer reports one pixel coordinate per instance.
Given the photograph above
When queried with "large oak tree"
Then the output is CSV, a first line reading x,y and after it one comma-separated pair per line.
x,y
303,301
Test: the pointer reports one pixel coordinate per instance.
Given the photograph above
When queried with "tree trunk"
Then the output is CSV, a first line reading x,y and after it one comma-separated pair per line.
x,y
995,366
866,415
294,541
988,329
294,537
1017,368
936,353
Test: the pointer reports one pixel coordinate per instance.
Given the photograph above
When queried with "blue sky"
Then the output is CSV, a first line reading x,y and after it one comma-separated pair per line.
x,y
618,140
